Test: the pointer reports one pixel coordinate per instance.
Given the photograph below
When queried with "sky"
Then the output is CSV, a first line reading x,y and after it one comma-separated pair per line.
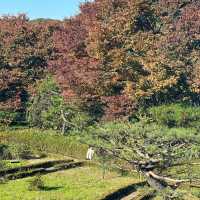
x,y
54,9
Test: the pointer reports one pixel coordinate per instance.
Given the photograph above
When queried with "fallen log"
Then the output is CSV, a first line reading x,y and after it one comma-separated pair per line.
x,y
160,182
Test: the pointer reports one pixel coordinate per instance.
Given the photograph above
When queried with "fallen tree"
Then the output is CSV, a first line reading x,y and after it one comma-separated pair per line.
x,y
148,148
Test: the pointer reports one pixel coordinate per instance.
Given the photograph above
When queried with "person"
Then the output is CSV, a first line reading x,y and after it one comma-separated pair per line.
x,y
90,153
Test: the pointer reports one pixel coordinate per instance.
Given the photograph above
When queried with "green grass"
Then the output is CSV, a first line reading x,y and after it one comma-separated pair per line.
x,y
84,183
185,171
185,193
44,141
8,165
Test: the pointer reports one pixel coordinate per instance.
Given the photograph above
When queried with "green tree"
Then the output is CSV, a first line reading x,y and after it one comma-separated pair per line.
x,y
147,147
48,109
176,115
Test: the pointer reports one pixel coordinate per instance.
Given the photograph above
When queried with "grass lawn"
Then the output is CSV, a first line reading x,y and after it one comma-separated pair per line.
x,y
84,183
43,141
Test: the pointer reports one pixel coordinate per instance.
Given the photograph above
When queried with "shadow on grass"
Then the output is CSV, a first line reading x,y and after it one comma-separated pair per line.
x,y
47,188
117,195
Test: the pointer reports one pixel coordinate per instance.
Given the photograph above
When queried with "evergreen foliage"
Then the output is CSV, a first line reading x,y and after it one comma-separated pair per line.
x,y
49,110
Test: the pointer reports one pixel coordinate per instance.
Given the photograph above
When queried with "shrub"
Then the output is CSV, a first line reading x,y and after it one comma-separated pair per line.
x,y
3,180
7,117
4,152
2,164
24,151
15,150
176,115
44,141
169,194
36,184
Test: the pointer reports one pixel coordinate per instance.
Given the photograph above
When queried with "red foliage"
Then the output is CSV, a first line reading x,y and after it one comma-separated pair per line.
x,y
24,50
115,53
75,70
77,66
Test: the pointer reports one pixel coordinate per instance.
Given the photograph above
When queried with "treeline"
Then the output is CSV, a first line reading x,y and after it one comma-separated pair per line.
x,y
106,63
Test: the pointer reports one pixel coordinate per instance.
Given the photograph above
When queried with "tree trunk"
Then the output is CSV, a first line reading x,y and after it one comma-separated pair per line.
x,y
155,183
63,128
159,182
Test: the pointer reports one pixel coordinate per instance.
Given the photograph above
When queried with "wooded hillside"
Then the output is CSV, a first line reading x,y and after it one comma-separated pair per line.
x,y
111,59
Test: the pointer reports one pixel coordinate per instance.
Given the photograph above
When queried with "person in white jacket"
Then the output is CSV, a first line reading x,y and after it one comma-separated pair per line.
x,y
90,153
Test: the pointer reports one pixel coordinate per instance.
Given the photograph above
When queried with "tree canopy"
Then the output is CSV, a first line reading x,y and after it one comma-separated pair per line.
x,y
131,53
120,54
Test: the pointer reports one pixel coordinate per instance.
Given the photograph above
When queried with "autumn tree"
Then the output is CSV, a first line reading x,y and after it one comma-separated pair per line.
x,y
129,53
74,69
149,50
25,48
112,58
80,71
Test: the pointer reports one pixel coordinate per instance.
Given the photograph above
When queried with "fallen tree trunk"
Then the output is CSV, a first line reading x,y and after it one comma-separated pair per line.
x,y
160,182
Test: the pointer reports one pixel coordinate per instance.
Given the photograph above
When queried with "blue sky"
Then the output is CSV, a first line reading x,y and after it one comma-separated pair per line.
x,y
55,9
